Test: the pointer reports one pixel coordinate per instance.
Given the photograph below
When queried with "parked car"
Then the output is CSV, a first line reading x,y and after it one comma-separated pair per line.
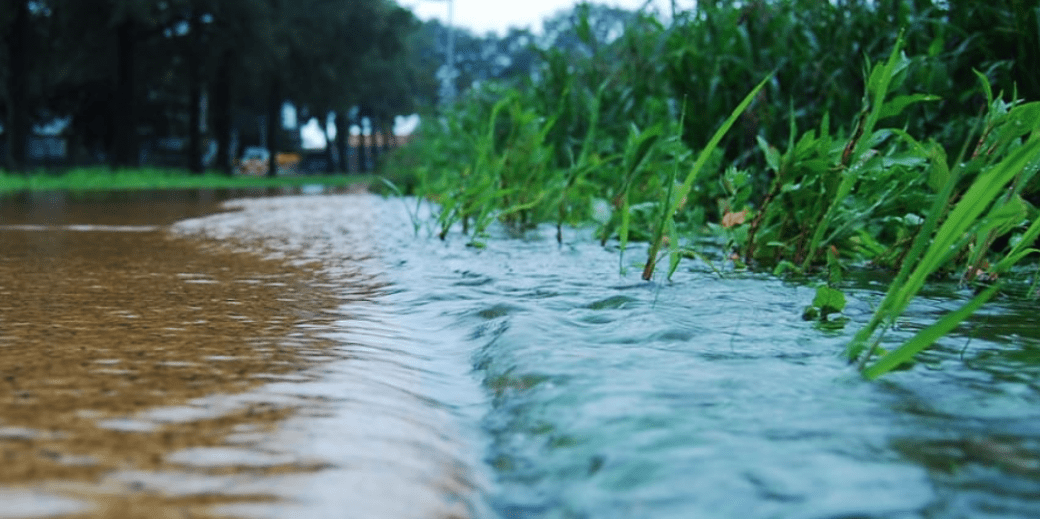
x,y
254,162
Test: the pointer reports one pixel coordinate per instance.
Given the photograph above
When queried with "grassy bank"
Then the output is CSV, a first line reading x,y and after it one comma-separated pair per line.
x,y
922,162
104,179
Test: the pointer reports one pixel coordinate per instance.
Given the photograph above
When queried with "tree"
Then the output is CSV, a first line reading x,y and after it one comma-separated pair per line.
x,y
385,85
129,72
98,44
238,41
16,43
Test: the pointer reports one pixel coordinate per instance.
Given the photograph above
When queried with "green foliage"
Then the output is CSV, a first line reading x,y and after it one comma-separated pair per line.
x,y
828,301
838,159
120,70
810,205
675,201
983,207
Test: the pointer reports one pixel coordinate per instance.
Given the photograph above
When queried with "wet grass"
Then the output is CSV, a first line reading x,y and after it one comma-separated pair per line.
x,y
873,189
104,179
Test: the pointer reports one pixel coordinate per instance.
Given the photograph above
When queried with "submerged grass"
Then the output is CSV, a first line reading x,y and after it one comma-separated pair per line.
x,y
103,179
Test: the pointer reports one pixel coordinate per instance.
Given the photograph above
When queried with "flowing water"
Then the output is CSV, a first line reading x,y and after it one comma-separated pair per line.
x,y
310,356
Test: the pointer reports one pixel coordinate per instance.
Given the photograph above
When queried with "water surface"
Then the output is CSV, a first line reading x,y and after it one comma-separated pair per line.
x,y
147,373
703,396
403,376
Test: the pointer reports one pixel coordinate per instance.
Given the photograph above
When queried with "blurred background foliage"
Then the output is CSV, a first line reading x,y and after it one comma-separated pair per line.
x,y
706,59
117,76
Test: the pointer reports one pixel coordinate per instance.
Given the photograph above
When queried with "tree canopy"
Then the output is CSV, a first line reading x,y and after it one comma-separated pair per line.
x,y
135,77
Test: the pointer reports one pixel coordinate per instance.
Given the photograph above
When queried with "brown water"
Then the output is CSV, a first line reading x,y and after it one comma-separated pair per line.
x,y
145,374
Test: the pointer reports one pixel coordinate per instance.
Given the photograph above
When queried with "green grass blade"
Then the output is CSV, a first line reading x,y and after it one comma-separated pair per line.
x,y
928,336
986,188
705,154
954,232
877,86
676,201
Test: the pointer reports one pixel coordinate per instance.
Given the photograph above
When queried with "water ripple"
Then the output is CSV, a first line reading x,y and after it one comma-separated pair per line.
x,y
587,392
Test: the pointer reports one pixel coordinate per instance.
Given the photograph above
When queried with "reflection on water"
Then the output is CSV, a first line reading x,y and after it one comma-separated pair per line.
x,y
131,208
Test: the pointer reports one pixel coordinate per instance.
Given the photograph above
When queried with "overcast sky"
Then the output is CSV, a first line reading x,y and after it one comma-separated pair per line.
x,y
481,16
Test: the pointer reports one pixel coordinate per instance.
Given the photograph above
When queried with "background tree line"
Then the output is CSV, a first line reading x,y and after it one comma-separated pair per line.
x,y
127,74
125,71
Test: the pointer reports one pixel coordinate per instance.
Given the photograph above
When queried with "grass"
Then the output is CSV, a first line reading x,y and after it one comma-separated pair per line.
x,y
104,179
871,190
674,202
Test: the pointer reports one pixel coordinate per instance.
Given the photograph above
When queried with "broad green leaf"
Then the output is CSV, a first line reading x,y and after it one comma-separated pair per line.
x,y
939,174
829,300
772,155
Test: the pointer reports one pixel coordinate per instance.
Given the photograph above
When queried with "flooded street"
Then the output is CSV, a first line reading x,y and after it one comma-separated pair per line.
x,y
148,374
314,356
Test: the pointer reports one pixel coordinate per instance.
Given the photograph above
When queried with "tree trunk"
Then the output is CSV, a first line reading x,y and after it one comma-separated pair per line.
x,y
343,142
389,139
195,94
331,161
363,149
377,144
377,147
124,152
274,124
221,96
18,120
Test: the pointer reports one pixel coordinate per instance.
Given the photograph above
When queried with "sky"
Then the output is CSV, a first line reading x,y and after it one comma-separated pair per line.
x,y
481,16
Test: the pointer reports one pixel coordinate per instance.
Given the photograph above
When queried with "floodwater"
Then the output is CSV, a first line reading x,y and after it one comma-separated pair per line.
x,y
144,373
314,356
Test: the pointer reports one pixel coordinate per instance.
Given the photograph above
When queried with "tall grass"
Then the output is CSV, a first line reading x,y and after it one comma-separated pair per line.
x,y
836,160
1009,159
674,201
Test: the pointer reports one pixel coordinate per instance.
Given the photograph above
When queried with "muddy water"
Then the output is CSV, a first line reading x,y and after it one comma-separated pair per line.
x,y
145,373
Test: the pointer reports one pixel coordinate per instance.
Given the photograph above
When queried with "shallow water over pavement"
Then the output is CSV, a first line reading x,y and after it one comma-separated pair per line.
x,y
151,374
112,339
526,379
